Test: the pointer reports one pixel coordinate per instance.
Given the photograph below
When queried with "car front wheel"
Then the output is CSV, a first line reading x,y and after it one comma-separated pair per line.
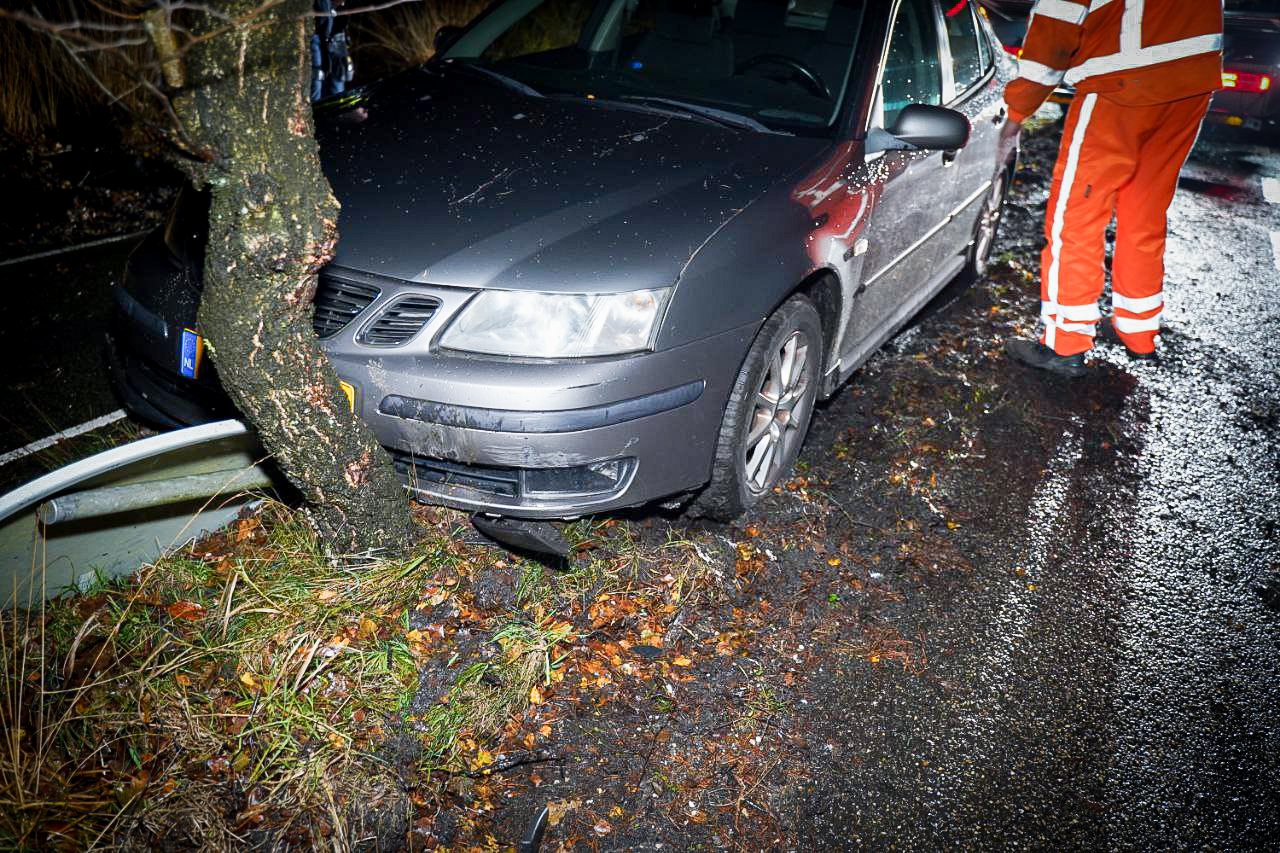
x,y
768,414
987,228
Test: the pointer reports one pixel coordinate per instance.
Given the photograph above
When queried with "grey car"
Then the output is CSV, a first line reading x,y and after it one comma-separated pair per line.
x,y
604,252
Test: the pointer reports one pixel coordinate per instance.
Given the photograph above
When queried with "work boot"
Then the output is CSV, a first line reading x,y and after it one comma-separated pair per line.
x,y
1107,332
1037,355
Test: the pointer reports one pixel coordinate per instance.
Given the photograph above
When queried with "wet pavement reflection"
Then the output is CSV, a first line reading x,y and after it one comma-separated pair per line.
x,y
1111,677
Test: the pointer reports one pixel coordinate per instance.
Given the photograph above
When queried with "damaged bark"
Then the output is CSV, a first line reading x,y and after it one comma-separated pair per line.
x,y
272,226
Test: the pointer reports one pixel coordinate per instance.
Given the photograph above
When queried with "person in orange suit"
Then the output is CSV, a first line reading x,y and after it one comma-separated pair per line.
x,y
1144,71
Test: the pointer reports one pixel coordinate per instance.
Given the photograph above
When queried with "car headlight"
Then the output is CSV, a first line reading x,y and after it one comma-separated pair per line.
x,y
556,325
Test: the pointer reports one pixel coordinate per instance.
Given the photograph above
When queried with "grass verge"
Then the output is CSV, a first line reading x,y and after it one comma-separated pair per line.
x,y
244,691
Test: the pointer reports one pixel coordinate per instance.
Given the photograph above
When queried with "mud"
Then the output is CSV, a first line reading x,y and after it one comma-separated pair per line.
x,y
992,607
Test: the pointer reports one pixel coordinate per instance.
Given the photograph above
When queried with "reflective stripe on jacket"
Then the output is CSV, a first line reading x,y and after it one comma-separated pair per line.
x,y
1132,51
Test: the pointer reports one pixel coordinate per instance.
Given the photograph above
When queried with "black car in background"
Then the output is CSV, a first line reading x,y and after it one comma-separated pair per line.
x,y
1250,68
1250,62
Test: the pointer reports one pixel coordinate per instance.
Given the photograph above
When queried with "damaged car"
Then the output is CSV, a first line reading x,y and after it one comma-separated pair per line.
x,y
600,253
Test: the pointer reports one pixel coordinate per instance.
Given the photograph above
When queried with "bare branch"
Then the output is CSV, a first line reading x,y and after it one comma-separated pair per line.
x,y
359,10
158,27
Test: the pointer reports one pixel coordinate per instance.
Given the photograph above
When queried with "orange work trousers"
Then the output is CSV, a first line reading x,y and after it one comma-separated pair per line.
x,y
1121,160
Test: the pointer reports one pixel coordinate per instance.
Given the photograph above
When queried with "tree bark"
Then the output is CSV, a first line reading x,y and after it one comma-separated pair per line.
x,y
272,226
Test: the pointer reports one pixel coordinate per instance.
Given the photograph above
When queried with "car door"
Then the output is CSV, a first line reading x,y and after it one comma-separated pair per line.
x,y
902,238
970,87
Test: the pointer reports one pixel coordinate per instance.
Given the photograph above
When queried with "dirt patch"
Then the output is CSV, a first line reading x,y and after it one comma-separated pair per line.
x,y
720,738
83,188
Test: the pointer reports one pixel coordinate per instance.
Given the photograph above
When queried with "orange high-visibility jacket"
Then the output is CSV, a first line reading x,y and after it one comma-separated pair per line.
x,y
1136,52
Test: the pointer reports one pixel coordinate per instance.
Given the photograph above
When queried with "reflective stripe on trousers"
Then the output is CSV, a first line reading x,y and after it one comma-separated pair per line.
x,y
1114,160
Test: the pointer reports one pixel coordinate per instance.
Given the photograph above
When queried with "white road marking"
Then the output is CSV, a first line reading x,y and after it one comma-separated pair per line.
x,y
72,432
105,241
1275,247
1271,190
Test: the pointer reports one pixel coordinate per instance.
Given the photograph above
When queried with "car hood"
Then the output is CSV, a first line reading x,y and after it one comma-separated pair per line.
x,y
458,181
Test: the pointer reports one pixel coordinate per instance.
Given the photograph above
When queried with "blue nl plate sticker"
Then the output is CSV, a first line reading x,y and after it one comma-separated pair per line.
x,y
189,358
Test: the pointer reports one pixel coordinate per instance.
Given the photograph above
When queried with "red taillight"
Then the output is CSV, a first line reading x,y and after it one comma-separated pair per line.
x,y
1246,81
1016,51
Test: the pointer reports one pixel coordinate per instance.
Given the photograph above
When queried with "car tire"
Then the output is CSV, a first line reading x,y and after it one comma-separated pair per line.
x,y
768,413
987,228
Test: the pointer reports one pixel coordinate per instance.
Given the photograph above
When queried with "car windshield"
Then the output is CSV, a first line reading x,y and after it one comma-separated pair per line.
x,y
783,64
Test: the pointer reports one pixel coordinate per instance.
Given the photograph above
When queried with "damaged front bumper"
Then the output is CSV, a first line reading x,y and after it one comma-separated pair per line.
x,y
545,440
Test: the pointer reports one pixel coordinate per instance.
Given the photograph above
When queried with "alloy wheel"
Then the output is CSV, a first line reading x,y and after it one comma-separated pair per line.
x,y
988,224
779,415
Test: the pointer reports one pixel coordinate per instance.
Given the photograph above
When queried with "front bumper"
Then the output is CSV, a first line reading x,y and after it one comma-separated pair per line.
x,y
524,438
550,440
142,356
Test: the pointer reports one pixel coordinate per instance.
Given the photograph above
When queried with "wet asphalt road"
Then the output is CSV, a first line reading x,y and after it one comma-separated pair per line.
x,y
1111,678
54,374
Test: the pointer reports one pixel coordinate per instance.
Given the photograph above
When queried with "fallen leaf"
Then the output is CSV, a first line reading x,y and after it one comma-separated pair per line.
x,y
327,594
556,810
186,610
603,827
245,528
247,679
535,695
681,660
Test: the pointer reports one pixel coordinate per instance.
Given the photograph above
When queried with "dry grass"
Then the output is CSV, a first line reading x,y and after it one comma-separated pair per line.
x,y
404,35
249,688
42,83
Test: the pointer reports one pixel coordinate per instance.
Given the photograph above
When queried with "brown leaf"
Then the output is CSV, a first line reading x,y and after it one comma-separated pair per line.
x,y
186,610
245,528
556,810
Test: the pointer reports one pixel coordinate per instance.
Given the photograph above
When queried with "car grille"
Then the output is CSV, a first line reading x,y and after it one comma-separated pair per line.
x,y
501,482
338,302
399,321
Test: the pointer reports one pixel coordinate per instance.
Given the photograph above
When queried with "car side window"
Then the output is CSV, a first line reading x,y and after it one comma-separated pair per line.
x,y
966,58
984,39
912,72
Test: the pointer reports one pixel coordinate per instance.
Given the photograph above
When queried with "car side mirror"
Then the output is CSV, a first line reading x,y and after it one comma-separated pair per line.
x,y
445,37
922,127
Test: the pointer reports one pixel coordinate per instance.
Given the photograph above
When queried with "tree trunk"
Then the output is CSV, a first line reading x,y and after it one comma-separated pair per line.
x,y
272,226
